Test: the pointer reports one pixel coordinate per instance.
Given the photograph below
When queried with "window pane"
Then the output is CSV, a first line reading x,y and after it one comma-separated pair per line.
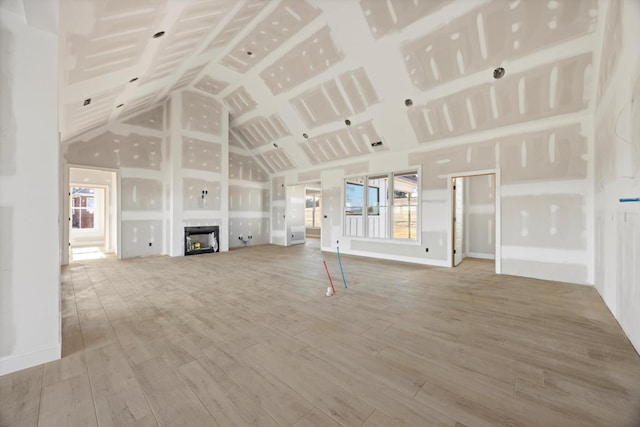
x,y
377,211
354,202
86,220
309,199
308,210
308,217
405,222
354,196
405,205
75,218
317,220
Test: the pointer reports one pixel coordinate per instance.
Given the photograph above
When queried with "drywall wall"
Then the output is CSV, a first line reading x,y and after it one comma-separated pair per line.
x,y
278,211
134,147
295,214
617,165
544,193
249,200
173,166
479,217
29,196
198,129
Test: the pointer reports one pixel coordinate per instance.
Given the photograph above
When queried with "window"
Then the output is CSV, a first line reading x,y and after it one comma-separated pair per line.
x,y
312,209
354,199
391,206
353,204
405,205
377,206
82,207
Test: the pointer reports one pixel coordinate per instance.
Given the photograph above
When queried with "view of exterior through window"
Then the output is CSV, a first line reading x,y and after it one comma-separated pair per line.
x,y
312,211
385,216
405,205
82,207
378,206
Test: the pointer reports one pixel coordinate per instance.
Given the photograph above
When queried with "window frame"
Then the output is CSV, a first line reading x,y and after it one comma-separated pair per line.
x,y
81,208
364,214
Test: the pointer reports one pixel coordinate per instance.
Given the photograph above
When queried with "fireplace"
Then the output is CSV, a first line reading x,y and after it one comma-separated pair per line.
x,y
200,240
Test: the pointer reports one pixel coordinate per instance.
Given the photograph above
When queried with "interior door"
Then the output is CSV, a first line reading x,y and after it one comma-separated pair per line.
x,y
458,220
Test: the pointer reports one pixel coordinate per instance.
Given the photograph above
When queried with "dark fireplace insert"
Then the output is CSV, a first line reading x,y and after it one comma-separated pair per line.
x,y
200,240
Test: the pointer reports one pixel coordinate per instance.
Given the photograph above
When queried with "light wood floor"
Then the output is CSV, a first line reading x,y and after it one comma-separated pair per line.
x,y
248,338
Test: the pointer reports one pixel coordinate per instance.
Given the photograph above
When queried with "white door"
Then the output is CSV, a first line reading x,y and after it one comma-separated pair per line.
x,y
458,220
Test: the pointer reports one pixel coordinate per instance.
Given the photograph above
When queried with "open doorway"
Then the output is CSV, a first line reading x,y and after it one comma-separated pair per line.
x,y
92,213
475,218
313,214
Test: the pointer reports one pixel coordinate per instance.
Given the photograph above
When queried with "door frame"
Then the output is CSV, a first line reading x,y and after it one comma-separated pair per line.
x,y
497,214
66,211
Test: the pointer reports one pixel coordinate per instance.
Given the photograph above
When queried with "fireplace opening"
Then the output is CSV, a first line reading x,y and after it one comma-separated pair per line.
x,y
200,240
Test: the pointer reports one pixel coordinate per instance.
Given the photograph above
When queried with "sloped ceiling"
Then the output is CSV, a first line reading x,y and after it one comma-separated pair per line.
x,y
294,73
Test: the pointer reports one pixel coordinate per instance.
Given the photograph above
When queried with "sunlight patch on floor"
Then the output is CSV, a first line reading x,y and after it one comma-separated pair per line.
x,y
86,252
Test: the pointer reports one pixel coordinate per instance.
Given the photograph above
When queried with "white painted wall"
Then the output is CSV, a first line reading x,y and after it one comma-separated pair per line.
x,y
617,166
29,196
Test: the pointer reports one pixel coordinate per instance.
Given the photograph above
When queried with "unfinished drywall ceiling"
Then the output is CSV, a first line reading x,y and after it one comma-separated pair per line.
x,y
340,83
298,73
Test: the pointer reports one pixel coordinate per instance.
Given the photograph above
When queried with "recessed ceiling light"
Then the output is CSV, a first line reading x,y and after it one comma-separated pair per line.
x,y
408,102
347,122
158,34
119,105
133,80
86,102
498,73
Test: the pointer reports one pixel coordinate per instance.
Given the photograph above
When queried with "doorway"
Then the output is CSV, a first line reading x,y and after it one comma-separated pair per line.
x,y
313,213
475,217
92,212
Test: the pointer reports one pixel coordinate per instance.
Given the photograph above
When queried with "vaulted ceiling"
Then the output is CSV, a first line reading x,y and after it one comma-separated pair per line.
x,y
324,79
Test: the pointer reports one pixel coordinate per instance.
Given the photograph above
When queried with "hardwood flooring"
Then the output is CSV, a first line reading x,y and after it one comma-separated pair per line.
x,y
248,338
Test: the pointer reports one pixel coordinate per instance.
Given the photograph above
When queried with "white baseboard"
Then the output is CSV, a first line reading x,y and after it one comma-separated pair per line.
x,y
479,255
19,362
431,262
